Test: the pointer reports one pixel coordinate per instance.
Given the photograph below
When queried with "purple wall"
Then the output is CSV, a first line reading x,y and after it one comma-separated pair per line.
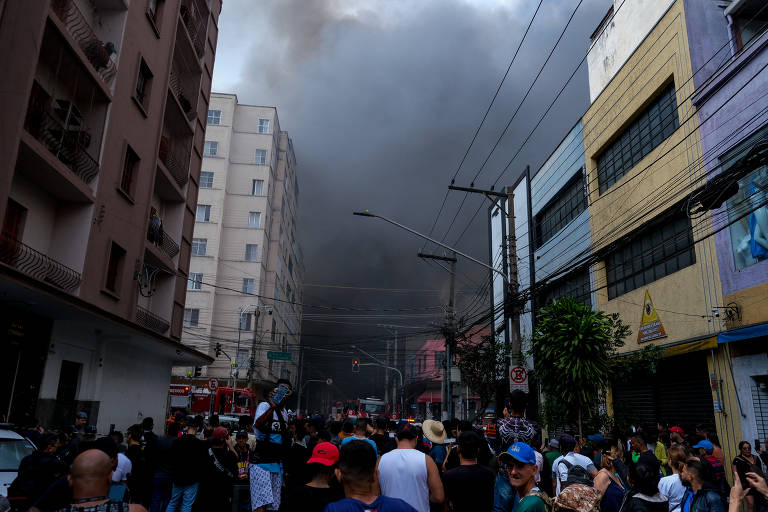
x,y
732,106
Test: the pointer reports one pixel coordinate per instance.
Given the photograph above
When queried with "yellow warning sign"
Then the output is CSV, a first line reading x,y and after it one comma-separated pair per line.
x,y
651,327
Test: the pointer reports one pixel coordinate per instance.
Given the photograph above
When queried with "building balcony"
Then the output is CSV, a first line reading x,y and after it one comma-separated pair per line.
x,y
37,265
62,132
194,15
183,97
158,236
151,321
175,157
99,53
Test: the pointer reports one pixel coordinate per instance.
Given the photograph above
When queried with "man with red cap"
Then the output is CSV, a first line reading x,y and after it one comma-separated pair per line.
x,y
322,489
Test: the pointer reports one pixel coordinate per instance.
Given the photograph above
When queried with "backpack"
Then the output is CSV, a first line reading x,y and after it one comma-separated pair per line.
x,y
576,475
578,498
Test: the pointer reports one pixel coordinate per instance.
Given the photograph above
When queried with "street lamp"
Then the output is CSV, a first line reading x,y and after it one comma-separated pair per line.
x,y
366,213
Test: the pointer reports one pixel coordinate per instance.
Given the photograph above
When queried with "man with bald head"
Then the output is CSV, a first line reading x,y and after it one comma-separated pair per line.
x,y
90,479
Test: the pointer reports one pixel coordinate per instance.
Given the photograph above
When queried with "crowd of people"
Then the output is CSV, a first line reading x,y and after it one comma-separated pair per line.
x,y
276,462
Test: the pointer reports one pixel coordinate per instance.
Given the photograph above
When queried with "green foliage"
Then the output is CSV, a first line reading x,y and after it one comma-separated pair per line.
x,y
646,361
572,347
482,365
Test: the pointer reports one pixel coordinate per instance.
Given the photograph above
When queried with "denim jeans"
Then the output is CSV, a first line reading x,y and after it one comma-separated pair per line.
x,y
185,494
161,492
504,495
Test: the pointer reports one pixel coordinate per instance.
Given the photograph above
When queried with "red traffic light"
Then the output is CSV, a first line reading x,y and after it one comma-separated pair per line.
x,y
355,361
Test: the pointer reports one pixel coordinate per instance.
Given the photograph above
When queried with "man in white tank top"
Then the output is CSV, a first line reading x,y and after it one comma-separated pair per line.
x,y
409,474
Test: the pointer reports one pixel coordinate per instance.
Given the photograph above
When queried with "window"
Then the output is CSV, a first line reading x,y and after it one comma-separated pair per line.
x,y
195,281
254,219
143,83
257,187
651,127
569,202
249,285
199,245
242,358
263,125
206,179
261,157
203,213
575,285
245,321
191,317
749,21
210,148
251,252
114,268
214,117
130,167
657,250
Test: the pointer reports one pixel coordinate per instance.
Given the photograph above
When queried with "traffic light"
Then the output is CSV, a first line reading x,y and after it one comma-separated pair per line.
x,y
198,371
218,349
355,366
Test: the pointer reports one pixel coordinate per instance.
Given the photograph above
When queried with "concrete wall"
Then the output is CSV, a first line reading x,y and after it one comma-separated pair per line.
x,y
685,298
619,38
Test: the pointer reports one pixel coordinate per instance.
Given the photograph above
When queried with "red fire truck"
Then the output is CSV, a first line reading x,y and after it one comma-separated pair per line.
x,y
203,401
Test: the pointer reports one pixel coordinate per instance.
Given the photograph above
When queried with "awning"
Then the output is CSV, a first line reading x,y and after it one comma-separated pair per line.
x,y
430,396
745,333
691,346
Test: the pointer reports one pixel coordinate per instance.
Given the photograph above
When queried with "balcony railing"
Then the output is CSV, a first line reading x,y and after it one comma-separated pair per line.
x,y
194,16
98,52
67,144
178,90
175,157
37,265
160,238
151,321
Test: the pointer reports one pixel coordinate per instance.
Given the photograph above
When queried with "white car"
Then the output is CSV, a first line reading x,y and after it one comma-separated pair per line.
x,y
13,448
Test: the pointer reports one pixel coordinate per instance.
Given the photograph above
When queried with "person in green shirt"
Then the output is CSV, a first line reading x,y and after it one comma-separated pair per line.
x,y
520,460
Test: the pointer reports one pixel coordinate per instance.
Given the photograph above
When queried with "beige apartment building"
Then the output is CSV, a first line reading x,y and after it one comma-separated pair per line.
x,y
104,107
246,272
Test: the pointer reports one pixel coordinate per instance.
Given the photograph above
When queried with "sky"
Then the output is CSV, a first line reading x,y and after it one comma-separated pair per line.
x,y
381,99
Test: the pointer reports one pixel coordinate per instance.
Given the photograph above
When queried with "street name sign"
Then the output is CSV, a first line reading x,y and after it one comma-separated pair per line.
x,y
279,356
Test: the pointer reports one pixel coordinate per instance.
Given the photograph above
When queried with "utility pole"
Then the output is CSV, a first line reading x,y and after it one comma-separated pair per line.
x,y
449,331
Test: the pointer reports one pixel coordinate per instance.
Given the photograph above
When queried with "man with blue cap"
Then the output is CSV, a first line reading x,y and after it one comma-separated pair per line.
x,y
520,461
706,450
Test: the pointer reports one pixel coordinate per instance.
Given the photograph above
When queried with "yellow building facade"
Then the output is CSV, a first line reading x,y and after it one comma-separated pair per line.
x,y
656,262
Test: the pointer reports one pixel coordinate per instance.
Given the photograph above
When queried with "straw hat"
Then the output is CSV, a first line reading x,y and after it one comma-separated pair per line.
x,y
434,431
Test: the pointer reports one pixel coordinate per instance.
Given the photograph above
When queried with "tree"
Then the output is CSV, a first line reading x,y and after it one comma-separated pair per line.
x,y
572,347
482,364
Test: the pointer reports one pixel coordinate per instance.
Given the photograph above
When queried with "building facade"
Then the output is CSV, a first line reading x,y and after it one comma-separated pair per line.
x,y
733,113
104,107
246,274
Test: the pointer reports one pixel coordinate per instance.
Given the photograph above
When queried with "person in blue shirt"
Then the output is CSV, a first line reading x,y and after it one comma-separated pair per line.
x,y
360,433
358,475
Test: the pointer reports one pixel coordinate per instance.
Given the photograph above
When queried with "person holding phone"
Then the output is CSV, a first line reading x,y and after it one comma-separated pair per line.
x,y
746,462
272,442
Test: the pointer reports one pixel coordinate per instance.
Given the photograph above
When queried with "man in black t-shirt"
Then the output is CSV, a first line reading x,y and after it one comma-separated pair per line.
x,y
384,443
469,487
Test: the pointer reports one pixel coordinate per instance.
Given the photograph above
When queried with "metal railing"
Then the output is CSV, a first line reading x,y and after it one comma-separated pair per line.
x,y
69,146
195,17
175,157
36,264
175,83
151,321
157,235
98,52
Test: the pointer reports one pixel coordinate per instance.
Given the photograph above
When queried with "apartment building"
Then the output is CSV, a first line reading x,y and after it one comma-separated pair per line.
x,y
104,107
246,274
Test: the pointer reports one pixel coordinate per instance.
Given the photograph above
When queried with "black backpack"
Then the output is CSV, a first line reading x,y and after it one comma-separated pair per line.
x,y
576,475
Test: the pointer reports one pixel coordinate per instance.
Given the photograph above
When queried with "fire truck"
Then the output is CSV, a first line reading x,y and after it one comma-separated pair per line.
x,y
370,407
194,400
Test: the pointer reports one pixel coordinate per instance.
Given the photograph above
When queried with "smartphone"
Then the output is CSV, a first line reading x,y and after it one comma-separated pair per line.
x,y
280,393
